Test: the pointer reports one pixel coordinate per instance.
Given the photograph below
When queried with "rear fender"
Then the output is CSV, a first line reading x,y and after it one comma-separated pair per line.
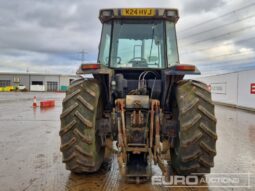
x,y
104,75
182,69
99,69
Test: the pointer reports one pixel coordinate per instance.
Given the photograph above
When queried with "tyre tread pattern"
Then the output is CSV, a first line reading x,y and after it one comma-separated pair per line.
x,y
80,147
196,142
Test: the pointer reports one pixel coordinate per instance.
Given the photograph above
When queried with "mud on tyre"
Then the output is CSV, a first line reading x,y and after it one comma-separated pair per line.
x,y
196,134
80,145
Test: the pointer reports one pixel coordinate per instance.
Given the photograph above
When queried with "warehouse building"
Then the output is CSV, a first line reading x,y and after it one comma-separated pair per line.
x,y
234,89
36,81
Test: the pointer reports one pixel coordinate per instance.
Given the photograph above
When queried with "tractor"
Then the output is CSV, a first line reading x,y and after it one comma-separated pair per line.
x,y
135,103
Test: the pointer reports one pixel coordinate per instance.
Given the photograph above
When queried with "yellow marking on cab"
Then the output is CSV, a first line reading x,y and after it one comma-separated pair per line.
x,y
138,12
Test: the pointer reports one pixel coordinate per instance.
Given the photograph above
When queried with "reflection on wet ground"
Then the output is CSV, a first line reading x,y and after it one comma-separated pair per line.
x,y
30,157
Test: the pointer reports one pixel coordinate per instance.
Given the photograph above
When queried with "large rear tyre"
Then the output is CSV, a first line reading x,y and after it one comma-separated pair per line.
x,y
80,144
196,140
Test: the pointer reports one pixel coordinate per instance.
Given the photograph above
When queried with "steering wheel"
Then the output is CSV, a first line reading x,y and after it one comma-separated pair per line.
x,y
136,60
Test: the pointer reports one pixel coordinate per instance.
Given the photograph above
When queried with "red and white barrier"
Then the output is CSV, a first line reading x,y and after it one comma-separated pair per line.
x,y
47,103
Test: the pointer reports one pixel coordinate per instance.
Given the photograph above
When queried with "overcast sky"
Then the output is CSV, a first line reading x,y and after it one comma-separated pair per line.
x,y
47,35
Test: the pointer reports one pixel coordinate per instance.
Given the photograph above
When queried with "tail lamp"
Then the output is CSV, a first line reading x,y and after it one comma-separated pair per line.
x,y
90,66
185,67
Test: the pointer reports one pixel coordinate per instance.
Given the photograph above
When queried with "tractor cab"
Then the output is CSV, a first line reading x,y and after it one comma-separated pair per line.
x,y
138,38
138,53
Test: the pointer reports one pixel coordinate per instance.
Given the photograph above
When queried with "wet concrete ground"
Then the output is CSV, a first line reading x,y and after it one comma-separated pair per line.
x,y
31,160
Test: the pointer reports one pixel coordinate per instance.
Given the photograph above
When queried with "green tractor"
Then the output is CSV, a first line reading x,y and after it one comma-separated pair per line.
x,y
137,104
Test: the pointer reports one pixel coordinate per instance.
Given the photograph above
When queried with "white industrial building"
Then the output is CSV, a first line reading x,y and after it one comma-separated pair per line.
x,y
235,89
37,81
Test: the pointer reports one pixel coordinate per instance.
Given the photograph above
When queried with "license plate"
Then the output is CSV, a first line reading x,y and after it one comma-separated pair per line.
x,y
138,12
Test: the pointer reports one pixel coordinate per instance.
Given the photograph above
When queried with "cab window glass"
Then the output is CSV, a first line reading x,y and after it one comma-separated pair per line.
x,y
105,44
172,52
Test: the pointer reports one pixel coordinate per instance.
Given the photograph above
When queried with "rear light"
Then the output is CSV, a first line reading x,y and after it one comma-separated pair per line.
x,y
185,67
106,13
171,13
90,66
